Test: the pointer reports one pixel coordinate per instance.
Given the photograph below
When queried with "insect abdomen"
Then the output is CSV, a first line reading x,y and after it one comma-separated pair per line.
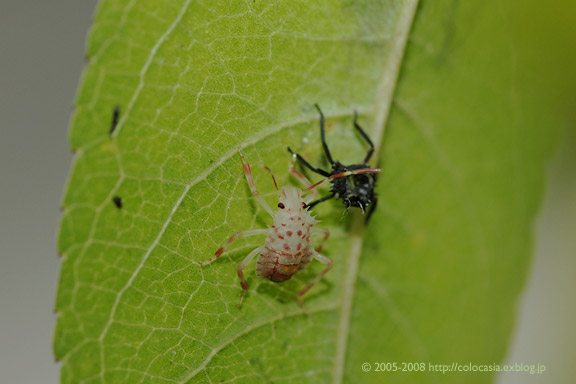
x,y
279,266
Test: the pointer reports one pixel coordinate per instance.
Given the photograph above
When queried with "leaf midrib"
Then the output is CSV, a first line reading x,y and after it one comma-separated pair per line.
x,y
383,102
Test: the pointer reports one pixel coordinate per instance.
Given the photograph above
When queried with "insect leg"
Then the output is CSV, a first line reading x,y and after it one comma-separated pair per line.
x,y
326,150
307,164
235,236
328,197
241,267
324,260
372,208
365,136
326,234
250,180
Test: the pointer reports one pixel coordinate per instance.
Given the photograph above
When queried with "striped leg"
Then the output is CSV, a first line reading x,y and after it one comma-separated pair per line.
x,y
326,234
235,236
324,260
241,267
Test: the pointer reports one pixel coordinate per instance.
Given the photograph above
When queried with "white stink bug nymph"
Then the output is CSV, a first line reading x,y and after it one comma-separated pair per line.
x,y
288,248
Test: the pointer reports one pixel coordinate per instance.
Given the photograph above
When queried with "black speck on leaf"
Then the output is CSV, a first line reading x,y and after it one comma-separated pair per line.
x,y
117,201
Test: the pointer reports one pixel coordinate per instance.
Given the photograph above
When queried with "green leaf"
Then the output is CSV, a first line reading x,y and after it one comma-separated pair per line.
x,y
435,276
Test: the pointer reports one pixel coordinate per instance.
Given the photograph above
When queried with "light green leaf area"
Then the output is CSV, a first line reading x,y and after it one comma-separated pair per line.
x,y
435,276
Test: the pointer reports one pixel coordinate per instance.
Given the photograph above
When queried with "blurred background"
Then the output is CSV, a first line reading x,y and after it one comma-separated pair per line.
x,y
41,61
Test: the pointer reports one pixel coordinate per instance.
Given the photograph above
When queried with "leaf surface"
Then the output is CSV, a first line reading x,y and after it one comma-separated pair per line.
x,y
435,276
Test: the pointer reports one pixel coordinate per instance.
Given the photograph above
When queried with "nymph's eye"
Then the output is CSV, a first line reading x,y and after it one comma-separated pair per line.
x,y
303,205
281,206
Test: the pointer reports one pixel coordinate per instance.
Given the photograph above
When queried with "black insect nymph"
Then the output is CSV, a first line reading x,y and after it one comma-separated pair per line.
x,y
355,190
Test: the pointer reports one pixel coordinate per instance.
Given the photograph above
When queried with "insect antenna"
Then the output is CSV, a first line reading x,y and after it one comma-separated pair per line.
x,y
344,174
271,174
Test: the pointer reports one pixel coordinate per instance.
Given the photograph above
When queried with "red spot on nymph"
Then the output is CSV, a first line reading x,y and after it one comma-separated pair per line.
x,y
281,237
299,233
289,233
286,247
299,246
283,225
